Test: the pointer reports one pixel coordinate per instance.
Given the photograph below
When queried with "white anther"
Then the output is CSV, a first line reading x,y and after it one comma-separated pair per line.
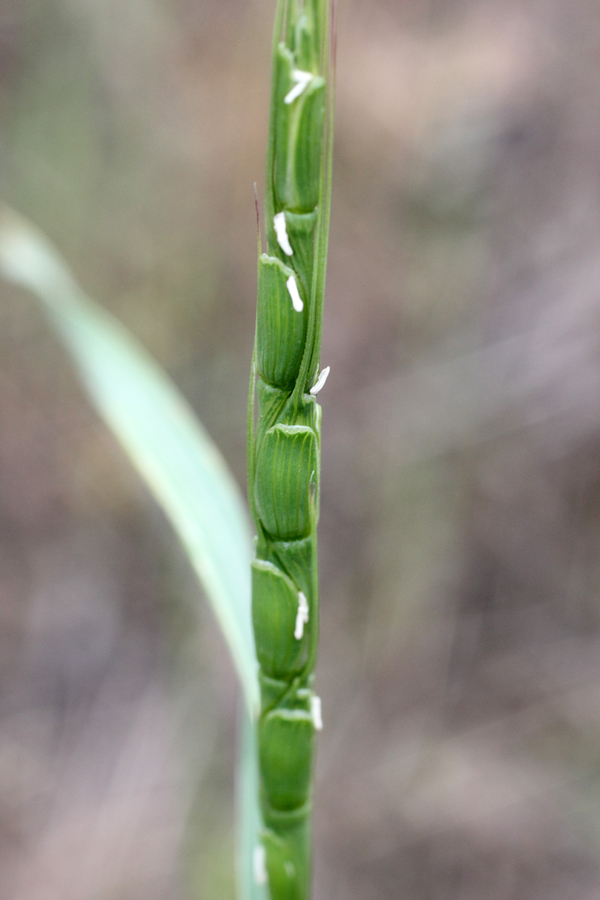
x,y
320,381
282,235
259,865
301,617
302,79
294,294
315,711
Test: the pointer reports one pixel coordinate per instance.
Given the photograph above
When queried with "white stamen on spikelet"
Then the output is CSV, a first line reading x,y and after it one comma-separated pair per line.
x,y
315,711
320,381
259,865
294,294
302,79
282,235
302,616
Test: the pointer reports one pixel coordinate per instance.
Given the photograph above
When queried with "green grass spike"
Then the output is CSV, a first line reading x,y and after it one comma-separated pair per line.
x,y
284,438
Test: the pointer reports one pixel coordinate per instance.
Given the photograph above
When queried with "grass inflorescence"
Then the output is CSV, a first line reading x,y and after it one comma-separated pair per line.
x,y
284,437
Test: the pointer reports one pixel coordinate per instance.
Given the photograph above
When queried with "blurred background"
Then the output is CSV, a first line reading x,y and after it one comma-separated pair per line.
x,y
460,527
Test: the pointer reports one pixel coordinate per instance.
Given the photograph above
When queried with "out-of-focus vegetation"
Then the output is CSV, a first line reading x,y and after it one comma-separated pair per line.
x,y
460,528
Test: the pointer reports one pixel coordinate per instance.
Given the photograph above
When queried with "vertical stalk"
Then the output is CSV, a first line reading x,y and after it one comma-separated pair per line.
x,y
285,437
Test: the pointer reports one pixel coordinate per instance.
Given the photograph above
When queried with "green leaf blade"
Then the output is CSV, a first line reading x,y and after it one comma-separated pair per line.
x,y
159,432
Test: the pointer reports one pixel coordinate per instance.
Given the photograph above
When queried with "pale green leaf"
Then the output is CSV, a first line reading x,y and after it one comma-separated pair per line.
x,y
158,430
248,814
176,458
